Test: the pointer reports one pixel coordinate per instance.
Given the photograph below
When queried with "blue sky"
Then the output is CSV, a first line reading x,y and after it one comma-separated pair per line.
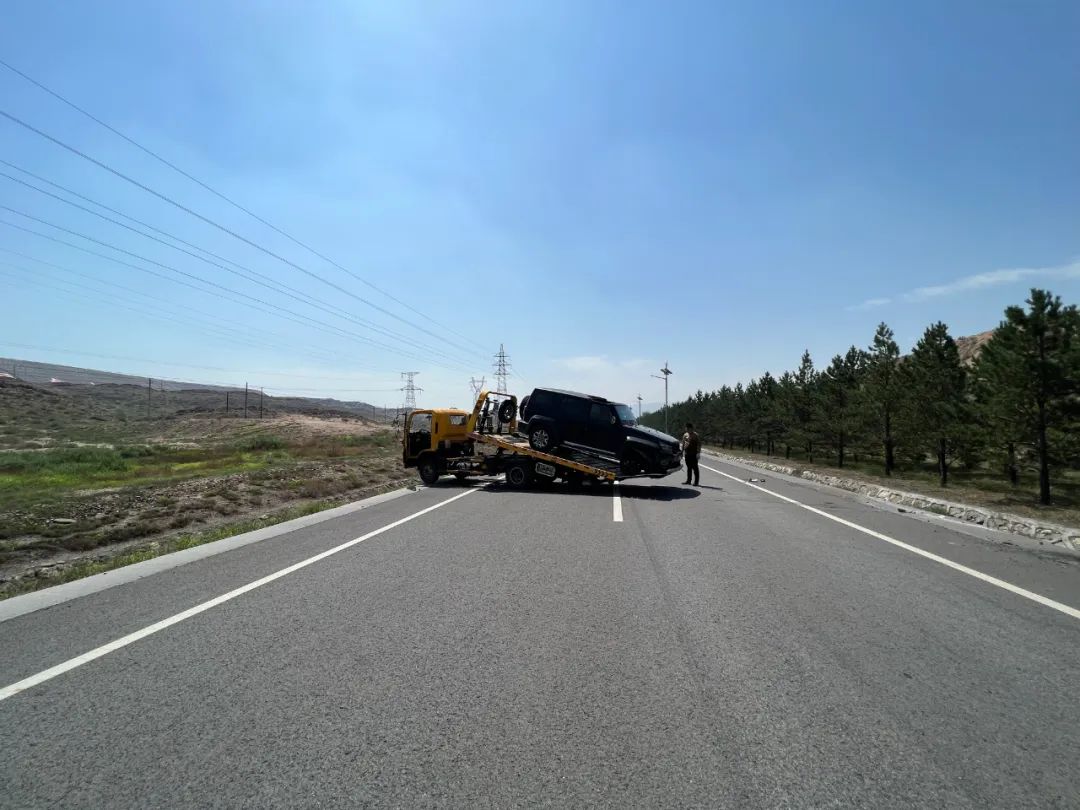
x,y
602,187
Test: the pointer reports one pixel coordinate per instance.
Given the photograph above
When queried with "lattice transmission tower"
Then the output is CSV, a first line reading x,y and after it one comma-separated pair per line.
x,y
477,386
502,369
410,389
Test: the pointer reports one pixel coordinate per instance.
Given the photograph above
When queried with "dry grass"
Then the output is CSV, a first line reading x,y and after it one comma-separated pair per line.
x,y
99,478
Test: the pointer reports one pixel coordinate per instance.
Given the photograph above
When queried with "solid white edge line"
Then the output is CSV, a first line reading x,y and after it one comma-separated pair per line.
x,y
1008,586
34,601
616,503
131,638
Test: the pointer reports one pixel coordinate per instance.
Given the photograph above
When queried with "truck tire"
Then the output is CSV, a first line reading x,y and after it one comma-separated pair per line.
x,y
542,438
519,474
507,411
429,471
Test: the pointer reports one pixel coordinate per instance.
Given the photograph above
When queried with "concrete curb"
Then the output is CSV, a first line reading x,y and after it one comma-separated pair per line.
x,y
1062,537
57,594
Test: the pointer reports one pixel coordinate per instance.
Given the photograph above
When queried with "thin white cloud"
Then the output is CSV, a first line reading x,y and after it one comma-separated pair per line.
x,y
586,363
618,378
977,281
869,303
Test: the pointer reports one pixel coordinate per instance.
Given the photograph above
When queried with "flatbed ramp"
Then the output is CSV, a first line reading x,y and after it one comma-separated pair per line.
x,y
596,467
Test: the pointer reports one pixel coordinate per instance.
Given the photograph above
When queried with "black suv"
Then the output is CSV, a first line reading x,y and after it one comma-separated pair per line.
x,y
556,419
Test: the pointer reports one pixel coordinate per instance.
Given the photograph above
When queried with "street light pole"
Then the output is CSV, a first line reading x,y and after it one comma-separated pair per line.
x,y
667,372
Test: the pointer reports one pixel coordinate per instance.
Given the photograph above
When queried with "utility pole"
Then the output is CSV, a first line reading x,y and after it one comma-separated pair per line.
x,y
667,372
149,391
639,407
245,399
260,403
410,389
502,369
226,403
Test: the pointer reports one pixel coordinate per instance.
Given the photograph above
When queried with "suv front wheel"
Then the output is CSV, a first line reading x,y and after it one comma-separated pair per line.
x,y
541,438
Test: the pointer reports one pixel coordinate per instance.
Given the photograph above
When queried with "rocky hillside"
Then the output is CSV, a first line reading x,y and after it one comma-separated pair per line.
x,y
970,347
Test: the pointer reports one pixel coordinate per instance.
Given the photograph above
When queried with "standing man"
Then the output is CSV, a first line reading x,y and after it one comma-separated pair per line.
x,y
691,445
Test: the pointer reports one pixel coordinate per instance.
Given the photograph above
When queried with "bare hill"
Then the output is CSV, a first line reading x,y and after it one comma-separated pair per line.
x,y
53,415
971,347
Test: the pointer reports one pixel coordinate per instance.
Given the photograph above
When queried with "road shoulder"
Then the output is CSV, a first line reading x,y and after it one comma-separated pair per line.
x,y
58,594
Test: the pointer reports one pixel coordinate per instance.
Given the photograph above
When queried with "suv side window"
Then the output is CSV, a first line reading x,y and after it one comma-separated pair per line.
x,y
600,415
574,410
540,402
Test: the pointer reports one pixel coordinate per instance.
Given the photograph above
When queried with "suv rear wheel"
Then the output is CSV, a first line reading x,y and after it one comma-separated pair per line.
x,y
541,437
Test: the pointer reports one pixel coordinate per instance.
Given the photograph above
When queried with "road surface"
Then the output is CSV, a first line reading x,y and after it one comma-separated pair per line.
x,y
482,647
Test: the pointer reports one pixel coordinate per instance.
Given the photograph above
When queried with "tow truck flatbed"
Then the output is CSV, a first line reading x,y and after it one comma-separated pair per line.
x,y
520,447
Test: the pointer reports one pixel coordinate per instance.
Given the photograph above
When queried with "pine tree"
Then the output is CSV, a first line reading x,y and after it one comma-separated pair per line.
x,y
801,417
770,423
1029,379
882,391
938,412
786,392
837,400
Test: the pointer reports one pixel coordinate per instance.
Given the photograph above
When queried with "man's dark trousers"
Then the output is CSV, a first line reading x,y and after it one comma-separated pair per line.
x,y
692,469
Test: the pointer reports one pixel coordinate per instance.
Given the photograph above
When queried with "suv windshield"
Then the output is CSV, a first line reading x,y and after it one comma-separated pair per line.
x,y
626,414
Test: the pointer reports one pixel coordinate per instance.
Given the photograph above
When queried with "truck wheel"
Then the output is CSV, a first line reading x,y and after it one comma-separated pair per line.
x,y
429,471
541,438
518,475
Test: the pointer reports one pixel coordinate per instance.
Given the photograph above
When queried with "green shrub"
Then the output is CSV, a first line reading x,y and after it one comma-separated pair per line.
x,y
262,441
136,451
72,461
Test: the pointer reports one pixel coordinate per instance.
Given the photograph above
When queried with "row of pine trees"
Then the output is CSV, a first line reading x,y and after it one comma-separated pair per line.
x,y
1016,407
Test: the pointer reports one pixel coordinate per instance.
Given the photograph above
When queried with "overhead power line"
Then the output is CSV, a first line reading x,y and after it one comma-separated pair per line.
x,y
225,198
311,321
230,295
130,359
246,331
261,279
219,226
207,325
213,330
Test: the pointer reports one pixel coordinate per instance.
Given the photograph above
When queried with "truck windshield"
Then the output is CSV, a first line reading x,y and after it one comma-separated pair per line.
x,y
626,415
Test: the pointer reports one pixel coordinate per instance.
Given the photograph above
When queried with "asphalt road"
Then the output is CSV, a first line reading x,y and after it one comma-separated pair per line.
x,y
716,647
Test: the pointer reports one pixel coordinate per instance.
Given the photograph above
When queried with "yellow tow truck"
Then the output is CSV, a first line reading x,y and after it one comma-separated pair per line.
x,y
449,441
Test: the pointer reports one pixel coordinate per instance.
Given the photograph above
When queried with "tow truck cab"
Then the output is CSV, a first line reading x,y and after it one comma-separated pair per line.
x,y
433,435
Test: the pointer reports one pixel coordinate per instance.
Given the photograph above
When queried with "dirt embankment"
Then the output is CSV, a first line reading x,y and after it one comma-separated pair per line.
x,y
80,482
